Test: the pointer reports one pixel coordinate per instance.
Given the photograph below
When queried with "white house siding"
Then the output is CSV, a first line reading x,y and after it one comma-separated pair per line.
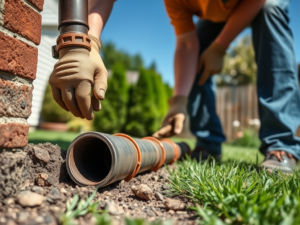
x,y
45,60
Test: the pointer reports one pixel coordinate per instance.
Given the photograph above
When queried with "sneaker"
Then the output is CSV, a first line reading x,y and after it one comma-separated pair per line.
x,y
279,160
200,152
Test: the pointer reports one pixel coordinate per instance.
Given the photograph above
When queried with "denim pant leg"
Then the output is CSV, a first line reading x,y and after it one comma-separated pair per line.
x,y
204,121
277,81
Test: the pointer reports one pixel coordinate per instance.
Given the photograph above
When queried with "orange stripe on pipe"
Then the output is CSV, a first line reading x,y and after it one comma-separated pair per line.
x,y
162,160
138,163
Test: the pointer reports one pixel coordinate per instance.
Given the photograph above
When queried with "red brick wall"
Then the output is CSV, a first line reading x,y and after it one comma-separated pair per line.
x,y
20,33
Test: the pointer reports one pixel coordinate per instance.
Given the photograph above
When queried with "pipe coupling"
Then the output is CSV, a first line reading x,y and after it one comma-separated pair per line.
x,y
71,40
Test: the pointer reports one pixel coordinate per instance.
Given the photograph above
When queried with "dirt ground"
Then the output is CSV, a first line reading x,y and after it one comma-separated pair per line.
x,y
47,187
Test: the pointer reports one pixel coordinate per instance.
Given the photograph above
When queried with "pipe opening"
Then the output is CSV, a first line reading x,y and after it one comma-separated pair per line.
x,y
90,160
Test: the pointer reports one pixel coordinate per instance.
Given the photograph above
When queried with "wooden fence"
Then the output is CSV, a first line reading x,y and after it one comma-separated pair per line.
x,y
233,103
236,103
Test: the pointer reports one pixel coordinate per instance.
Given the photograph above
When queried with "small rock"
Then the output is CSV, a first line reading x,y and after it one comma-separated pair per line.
x,y
155,178
25,185
120,199
2,220
165,187
142,191
42,180
175,205
49,219
171,212
62,190
50,200
9,201
39,219
150,213
158,213
107,193
159,196
23,217
38,189
113,208
54,194
28,198
41,154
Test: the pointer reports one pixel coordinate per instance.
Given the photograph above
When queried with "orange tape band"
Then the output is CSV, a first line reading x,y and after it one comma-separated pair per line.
x,y
176,148
139,162
163,157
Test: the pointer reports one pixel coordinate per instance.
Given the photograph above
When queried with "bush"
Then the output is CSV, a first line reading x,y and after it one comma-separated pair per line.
x,y
112,117
249,139
142,114
51,111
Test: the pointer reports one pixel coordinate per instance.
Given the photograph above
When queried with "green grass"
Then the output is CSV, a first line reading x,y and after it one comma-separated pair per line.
x,y
63,139
237,193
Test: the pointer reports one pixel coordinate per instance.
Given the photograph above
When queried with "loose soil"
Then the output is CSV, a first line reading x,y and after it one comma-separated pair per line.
x,y
46,167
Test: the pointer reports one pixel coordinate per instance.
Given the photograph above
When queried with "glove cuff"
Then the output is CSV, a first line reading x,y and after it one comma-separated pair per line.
x,y
178,100
95,42
218,48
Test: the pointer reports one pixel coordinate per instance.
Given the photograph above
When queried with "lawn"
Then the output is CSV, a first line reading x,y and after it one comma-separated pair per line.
x,y
63,139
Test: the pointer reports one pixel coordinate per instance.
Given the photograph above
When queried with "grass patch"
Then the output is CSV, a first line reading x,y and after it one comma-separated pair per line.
x,y
236,193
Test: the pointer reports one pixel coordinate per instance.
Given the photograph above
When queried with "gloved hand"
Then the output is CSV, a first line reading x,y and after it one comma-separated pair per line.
x,y
73,77
174,120
211,61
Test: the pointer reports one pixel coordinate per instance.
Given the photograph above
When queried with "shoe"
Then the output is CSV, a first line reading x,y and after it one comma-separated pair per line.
x,y
200,152
279,160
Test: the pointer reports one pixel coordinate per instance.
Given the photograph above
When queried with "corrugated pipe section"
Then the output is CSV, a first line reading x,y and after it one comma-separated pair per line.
x,y
100,159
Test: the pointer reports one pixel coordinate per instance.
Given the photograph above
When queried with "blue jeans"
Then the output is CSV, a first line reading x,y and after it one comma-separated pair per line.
x,y
277,84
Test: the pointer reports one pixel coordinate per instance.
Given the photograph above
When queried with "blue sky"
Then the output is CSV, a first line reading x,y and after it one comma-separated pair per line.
x,y
140,26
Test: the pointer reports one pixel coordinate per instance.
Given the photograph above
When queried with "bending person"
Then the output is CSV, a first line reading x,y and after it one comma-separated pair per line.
x,y
200,50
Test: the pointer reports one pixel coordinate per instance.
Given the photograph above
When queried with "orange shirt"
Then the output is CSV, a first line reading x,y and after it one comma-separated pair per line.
x,y
181,12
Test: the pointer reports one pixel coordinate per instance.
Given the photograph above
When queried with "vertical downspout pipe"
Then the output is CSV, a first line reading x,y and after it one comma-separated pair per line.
x,y
98,159
73,16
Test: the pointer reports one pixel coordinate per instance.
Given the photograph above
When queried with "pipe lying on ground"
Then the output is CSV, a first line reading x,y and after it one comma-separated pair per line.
x,y
100,159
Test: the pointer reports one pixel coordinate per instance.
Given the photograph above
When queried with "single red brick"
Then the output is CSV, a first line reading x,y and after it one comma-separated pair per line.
x,y
20,18
18,57
15,100
13,135
38,3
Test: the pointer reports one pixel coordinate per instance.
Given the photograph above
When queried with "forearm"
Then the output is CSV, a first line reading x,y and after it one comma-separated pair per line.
x,y
99,11
240,18
185,64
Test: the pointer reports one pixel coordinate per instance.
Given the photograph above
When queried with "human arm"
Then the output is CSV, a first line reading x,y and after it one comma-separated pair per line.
x,y
211,61
79,68
185,62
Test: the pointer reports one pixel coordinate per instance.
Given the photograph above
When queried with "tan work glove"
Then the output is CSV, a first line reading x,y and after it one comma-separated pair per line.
x,y
73,77
211,61
174,120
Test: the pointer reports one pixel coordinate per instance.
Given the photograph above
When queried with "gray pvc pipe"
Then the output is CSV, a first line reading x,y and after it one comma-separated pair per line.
x,y
100,159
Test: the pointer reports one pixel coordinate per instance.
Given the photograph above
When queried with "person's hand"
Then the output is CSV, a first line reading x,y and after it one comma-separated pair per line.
x,y
73,77
174,120
211,61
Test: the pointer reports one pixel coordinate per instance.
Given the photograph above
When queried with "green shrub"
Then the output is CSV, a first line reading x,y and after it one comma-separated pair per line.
x,y
51,111
249,139
112,116
142,113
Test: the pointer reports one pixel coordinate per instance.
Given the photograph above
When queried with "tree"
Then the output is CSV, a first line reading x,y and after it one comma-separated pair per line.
x,y
142,114
239,65
112,117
